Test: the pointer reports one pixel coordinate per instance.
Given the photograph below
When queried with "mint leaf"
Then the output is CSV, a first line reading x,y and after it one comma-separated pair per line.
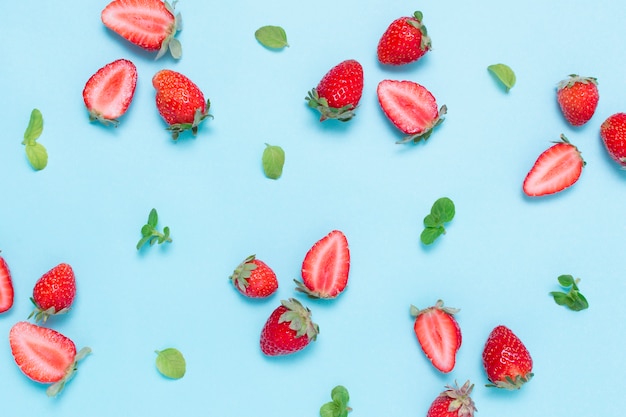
x,y
338,407
441,212
273,161
273,37
34,128
150,234
573,299
504,74
171,363
37,155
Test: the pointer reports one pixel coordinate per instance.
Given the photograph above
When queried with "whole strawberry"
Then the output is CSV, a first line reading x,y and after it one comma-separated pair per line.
x,y
338,93
578,98
453,402
613,134
289,329
45,355
405,40
179,102
253,278
54,292
149,24
506,360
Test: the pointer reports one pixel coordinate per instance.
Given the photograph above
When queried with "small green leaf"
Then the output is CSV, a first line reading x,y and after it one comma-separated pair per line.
x,y
37,155
430,234
443,209
271,37
560,298
143,241
150,234
504,74
573,299
273,161
566,280
153,218
340,395
34,128
330,409
171,363
147,230
431,220
338,407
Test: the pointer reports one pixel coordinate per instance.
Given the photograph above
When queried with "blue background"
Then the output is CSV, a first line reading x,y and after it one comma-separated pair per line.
x,y
501,256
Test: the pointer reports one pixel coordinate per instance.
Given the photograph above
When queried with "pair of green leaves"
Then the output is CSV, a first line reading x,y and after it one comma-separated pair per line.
x,y
504,74
171,363
273,37
35,151
273,161
441,212
150,234
338,407
573,299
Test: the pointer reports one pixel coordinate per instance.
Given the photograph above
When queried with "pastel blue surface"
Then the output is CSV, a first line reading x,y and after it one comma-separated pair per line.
x,y
501,256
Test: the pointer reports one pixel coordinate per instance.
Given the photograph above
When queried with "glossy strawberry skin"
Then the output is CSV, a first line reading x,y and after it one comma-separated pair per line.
x,y
453,402
557,168
6,287
338,93
326,267
54,292
404,41
506,360
578,99
254,278
109,92
180,102
613,134
289,329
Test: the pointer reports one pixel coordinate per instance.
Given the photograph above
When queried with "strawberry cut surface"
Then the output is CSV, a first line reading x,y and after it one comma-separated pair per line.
x,y
556,169
326,267
6,287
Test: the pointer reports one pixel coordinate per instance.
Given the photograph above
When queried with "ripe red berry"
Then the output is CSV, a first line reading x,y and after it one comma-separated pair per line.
x,y
54,292
578,98
506,360
613,134
405,40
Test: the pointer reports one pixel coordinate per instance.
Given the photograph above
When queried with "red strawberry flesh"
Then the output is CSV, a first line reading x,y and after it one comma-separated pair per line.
x,y
109,92
6,287
439,335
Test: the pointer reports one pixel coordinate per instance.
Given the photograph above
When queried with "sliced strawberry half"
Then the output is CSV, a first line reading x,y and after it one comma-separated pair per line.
x,y
439,334
6,287
556,169
44,355
109,92
326,267
411,108
150,24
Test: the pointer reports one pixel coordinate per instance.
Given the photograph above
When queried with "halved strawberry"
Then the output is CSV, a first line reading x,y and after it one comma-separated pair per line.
x,y
108,92
150,24
438,334
556,169
411,108
326,267
44,355
6,287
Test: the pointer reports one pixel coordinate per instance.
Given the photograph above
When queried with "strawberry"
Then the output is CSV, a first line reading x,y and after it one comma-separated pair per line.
x,y
149,24
326,267
506,360
54,292
289,329
556,169
253,278
578,98
411,108
453,402
439,334
338,93
108,92
179,102
45,355
613,134
6,287
405,40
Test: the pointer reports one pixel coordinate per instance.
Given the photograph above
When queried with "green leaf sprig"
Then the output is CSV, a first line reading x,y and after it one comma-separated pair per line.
x,y
273,37
504,74
573,299
150,234
171,363
338,407
441,212
273,161
35,151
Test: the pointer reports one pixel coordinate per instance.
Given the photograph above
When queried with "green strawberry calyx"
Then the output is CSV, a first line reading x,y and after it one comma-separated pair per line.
x,y
342,114
54,389
299,319
199,117
170,43
416,22
428,130
574,79
462,402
